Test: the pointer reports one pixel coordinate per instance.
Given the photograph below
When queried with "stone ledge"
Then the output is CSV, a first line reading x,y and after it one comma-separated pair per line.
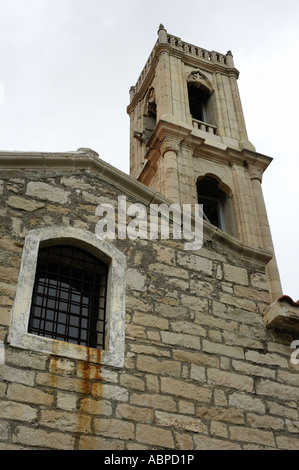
x,y
283,315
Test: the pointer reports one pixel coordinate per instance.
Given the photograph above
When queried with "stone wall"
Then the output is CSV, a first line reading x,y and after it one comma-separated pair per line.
x,y
201,370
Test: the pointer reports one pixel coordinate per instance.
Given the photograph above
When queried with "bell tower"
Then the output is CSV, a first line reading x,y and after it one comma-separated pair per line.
x,y
188,141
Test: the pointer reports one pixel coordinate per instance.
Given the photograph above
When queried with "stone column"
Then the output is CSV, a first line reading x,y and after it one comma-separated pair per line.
x,y
169,152
241,205
248,223
218,106
162,35
239,113
163,89
237,103
272,269
223,117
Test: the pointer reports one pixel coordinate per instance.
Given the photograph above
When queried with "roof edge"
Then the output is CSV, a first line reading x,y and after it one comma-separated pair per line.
x,y
88,159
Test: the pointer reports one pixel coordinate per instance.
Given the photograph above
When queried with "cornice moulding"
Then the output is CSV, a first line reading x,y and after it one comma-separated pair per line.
x,y
204,148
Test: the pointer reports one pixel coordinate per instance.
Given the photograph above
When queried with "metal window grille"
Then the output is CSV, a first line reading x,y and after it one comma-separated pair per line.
x,y
69,296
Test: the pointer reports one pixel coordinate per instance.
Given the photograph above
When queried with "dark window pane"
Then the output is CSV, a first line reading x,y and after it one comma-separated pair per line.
x,y
69,296
213,200
198,98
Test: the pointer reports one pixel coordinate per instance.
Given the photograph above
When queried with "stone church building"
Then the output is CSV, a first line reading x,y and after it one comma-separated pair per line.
x,y
137,343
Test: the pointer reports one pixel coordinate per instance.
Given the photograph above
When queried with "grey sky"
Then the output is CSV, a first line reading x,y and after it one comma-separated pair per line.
x,y
67,67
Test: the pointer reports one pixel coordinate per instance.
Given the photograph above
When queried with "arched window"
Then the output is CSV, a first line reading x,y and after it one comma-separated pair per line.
x,y
201,100
216,204
198,101
69,296
150,114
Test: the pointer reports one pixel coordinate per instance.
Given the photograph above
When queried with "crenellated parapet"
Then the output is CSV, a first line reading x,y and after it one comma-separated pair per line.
x,y
167,41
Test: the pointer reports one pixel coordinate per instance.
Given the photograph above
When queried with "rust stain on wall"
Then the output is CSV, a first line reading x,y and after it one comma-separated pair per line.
x,y
54,366
90,369
85,380
89,372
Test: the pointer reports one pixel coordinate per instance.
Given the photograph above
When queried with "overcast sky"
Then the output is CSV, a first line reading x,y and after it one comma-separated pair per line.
x,y
66,67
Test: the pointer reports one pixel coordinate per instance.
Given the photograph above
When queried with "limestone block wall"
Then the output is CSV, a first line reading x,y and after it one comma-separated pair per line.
x,y
201,370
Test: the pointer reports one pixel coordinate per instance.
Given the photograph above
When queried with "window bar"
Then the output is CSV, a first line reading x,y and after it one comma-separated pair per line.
x,y
65,299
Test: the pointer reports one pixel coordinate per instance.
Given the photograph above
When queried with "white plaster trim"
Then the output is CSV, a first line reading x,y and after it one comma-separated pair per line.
x,y
113,355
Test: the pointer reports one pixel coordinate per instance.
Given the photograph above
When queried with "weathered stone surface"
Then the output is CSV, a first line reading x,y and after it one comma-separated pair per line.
x,y
230,380
287,443
238,302
25,394
166,270
222,349
158,366
270,388
195,263
66,401
18,202
66,421
17,411
180,422
266,422
246,402
20,376
198,373
45,191
207,443
219,429
184,389
154,436
96,407
100,443
284,411
115,392
177,339
228,415
114,428
154,401
134,413
39,438
256,436
259,281
9,274
135,280
153,321
235,274
269,359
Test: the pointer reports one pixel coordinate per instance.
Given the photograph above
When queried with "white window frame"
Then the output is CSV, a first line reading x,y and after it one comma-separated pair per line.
x,y
113,354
